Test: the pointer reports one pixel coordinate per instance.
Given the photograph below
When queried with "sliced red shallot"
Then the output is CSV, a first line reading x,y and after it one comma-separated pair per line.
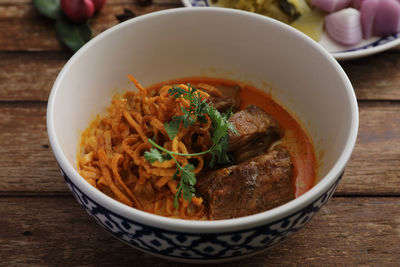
x,y
330,5
357,4
368,10
387,18
344,26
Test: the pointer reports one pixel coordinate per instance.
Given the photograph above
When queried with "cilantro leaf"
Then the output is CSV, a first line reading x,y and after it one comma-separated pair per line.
x,y
172,127
221,127
187,174
195,111
186,184
175,176
154,155
202,119
220,153
177,92
176,197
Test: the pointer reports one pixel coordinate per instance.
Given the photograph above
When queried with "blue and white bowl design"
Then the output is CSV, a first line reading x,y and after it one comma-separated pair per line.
x,y
199,2
86,81
381,41
189,246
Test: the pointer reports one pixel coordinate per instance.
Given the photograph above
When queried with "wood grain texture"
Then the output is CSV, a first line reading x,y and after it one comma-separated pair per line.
x,y
374,167
29,76
28,164
347,231
26,159
22,28
375,77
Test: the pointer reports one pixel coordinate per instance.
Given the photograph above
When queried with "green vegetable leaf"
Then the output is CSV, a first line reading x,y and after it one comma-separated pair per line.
x,y
172,127
227,115
175,176
188,180
187,174
202,119
72,34
49,8
221,127
220,153
195,112
186,184
177,196
154,155
177,92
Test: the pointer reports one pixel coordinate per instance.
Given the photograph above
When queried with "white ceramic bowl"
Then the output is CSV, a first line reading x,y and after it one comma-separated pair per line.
x,y
213,42
366,47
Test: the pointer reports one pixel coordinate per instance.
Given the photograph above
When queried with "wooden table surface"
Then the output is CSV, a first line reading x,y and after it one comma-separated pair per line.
x,y
41,224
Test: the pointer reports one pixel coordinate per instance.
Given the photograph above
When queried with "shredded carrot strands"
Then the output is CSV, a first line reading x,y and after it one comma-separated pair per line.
x,y
162,181
135,125
113,150
114,167
109,182
138,85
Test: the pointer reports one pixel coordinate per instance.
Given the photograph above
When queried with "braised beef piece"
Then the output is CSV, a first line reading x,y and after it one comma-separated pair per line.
x,y
229,98
253,186
223,104
257,130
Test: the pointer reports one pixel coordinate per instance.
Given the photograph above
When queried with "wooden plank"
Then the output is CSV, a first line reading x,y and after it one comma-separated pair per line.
x,y
57,232
22,28
375,77
374,168
26,159
29,76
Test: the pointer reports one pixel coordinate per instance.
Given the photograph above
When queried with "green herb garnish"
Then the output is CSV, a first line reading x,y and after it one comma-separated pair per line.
x,y
194,113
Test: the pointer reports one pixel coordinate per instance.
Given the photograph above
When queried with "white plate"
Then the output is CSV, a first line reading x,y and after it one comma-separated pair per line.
x,y
365,48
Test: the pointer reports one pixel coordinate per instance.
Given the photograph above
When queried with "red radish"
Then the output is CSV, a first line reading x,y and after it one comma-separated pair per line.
x,y
368,10
387,18
78,10
98,4
344,26
330,5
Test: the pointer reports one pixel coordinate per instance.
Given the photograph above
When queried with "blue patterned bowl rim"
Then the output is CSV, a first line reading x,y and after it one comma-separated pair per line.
x,y
195,247
203,226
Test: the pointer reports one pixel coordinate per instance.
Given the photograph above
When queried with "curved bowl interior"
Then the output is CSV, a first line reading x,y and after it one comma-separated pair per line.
x,y
221,43
366,47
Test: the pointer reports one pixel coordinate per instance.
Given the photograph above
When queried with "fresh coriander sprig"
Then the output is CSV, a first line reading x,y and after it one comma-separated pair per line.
x,y
196,111
188,178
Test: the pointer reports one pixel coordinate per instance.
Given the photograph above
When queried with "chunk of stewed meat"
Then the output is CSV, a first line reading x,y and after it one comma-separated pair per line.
x,y
224,98
259,184
223,104
257,130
